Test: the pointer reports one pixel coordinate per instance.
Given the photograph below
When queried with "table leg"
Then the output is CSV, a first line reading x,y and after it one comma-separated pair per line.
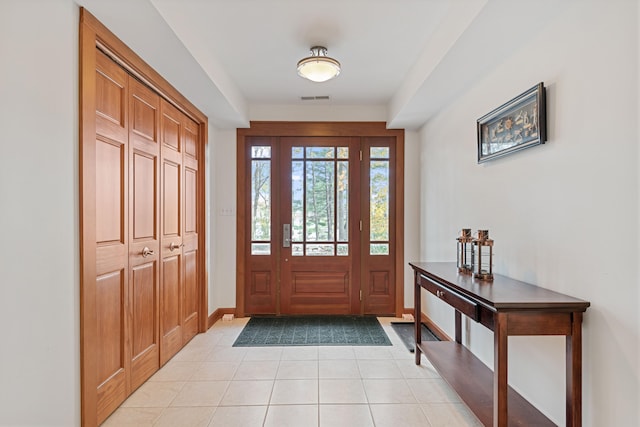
x,y
417,316
500,386
574,372
458,327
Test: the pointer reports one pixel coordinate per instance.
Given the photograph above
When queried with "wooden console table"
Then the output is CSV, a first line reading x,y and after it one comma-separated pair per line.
x,y
507,307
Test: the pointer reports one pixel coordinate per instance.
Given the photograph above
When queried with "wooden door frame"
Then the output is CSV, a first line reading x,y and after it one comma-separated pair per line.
x,y
305,129
94,35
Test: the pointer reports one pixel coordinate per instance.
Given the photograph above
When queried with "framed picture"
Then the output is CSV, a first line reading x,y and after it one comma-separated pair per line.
x,y
515,125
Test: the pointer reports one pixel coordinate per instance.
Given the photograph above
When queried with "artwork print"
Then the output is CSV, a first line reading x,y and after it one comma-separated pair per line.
x,y
517,124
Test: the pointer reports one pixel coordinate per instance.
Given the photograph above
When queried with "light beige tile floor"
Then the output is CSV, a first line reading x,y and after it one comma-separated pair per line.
x,y
210,383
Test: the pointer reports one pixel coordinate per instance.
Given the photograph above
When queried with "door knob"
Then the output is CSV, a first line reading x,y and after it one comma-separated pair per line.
x,y
174,246
146,252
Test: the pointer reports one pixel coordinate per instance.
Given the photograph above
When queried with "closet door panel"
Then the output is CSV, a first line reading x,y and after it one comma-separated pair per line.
x,y
171,231
144,285
111,233
190,249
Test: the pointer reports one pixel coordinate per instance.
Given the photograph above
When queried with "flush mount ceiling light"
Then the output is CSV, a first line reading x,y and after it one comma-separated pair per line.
x,y
318,67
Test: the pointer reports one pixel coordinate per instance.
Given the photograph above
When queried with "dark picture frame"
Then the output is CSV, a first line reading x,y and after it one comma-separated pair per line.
x,y
518,124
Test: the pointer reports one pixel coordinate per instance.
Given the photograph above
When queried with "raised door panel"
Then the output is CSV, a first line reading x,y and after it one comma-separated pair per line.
x,y
190,306
110,203
144,339
191,139
170,315
111,99
111,349
144,181
170,128
190,197
171,201
144,111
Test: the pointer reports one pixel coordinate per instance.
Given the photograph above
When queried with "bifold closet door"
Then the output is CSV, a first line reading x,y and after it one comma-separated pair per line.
x,y
179,238
127,285
141,197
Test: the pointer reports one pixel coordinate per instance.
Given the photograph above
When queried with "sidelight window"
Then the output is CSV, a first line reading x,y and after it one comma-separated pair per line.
x,y
379,201
260,200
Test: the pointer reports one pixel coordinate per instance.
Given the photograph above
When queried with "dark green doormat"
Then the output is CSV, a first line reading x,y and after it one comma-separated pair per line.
x,y
406,332
266,331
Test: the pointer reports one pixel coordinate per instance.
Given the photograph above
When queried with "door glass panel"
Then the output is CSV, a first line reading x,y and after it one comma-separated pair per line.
x,y
297,249
319,201
342,199
260,249
379,201
260,152
379,249
320,250
379,152
320,152
260,201
297,153
297,201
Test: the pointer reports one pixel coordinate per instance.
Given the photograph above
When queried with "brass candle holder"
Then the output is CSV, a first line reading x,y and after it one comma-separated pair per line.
x,y
465,252
483,256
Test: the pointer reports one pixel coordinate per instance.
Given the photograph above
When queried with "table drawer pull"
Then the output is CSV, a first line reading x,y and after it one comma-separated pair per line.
x,y
456,300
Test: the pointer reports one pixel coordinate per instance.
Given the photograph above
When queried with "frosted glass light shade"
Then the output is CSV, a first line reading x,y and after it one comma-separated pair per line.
x,y
318,67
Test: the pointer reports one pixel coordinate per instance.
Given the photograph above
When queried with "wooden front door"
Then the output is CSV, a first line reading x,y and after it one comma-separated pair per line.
x,y
320,233
320,220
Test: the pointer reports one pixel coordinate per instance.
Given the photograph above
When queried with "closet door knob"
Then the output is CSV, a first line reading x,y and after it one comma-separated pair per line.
x,y
146,252
174,246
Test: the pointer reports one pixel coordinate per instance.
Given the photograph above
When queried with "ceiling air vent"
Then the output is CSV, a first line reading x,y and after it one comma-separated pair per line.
x,y
315,98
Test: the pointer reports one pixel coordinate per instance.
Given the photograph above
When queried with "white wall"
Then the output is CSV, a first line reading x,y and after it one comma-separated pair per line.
x,y
222,276
564,215
39,271
637,376
411,210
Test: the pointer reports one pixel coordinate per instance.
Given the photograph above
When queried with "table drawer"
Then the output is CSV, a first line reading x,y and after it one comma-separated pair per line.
x,y
461,303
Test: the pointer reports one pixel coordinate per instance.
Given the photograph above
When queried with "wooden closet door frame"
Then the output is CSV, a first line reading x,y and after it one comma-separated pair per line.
x,y
94,35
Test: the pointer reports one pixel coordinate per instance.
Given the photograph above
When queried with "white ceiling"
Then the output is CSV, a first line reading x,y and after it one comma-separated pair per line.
x,y
410,57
